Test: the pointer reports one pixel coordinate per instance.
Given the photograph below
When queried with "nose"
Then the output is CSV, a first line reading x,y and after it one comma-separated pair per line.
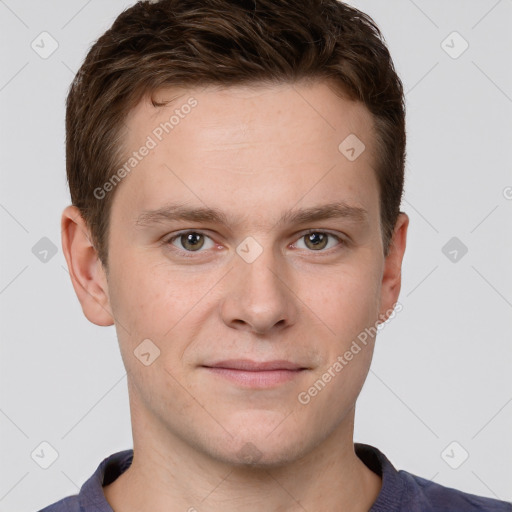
x,y
258,296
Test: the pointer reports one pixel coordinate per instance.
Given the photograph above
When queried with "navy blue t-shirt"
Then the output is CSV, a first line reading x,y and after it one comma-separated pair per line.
x,y
401,491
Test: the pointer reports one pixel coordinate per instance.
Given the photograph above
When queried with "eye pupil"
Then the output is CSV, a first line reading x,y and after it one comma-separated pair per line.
x,y
190,241
318,240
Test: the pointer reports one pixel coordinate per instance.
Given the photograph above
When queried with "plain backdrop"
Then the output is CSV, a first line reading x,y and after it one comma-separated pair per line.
x,y
439,394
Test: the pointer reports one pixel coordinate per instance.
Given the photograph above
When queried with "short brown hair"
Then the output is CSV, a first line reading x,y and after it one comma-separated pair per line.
x,y
226,42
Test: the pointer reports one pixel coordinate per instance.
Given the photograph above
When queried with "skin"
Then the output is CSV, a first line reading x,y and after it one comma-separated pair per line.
x,y
253,153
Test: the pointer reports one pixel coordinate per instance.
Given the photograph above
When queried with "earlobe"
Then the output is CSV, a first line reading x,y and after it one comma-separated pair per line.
x,y
85,268
392,273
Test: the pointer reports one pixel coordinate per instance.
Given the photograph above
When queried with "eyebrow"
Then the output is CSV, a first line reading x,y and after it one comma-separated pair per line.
x,y
179,212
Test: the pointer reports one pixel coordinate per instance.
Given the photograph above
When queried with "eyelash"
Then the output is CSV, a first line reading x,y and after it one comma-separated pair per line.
x,y
193,254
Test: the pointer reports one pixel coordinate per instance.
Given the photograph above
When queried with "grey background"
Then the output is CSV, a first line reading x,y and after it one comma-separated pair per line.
x,y
442,367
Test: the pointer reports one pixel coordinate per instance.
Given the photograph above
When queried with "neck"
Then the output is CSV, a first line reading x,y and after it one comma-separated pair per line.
x,y
169,475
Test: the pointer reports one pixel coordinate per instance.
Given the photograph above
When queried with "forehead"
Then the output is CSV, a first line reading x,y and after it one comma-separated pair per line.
x,y
269,143
215,117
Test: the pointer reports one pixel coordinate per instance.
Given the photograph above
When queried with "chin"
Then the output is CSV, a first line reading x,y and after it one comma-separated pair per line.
x,y
261,455
261,443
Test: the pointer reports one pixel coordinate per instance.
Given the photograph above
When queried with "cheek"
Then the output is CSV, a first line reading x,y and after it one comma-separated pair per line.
x,y
152,297
160,304
345,301
349,308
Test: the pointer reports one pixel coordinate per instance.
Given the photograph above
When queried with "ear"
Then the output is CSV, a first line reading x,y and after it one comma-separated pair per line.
x,y
392,272
85,268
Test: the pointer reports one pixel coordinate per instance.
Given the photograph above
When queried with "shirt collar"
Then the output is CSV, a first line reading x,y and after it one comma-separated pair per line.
x,y
393,486
91,493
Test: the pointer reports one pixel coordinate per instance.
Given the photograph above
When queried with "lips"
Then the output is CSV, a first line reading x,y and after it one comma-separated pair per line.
x,y
248,374
255,366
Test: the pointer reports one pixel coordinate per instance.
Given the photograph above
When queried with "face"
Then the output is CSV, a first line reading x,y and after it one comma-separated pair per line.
x,y
246,236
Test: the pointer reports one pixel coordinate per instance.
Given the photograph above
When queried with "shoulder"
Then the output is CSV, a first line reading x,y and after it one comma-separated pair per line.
x,y
425,495
402,491
91,497
69,504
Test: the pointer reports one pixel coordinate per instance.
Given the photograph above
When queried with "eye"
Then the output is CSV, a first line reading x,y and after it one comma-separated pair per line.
x,y
197,242
190,241
319,240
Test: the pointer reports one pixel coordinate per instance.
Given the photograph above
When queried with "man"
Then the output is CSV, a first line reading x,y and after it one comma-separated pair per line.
x,y
236,171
